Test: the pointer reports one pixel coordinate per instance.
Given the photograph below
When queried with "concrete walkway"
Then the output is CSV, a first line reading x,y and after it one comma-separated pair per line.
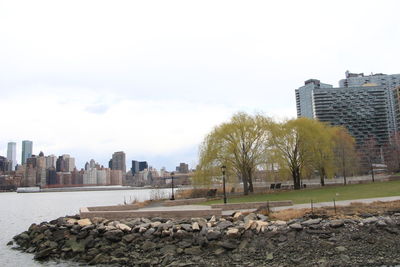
x,y
338,203
296,206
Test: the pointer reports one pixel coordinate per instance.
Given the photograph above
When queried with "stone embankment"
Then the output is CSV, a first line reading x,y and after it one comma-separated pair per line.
x,y
238,240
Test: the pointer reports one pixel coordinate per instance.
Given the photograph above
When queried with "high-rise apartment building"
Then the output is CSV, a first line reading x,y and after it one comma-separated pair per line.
x,y
118,161
365,105
12,154
26,150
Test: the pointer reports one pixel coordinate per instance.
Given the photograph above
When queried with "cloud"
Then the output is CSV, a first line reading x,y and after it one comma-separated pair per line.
x,y
97,109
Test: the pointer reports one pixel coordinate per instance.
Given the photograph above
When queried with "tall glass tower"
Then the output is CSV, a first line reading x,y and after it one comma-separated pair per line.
x,y
12,154
26,150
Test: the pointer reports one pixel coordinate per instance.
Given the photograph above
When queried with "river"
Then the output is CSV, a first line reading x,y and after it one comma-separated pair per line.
x,y
19,210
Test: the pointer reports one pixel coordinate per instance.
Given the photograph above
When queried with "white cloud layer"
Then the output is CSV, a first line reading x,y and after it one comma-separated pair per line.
x,y
153,77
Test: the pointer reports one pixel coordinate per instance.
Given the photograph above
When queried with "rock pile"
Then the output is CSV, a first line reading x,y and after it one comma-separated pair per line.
x,y
238,240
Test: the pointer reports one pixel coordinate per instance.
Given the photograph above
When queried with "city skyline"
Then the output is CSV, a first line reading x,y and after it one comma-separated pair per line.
x,y
87,88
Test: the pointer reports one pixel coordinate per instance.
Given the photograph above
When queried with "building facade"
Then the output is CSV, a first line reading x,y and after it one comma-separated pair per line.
x,y
26,150
12,154
118,161
364,104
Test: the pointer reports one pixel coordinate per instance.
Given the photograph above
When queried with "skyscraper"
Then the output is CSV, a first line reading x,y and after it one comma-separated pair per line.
x,y
12,154
135,167
118,161
26,150
364,104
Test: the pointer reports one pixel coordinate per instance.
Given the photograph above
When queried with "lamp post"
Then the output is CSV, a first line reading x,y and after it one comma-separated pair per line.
x,y
223,169
172,186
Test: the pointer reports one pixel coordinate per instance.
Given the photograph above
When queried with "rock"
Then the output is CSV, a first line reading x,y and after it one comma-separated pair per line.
x,y
187,227
42,254
279,223
261,226
123,227
262,217
219,251
195,226
148,245
229,244
224,224
270,256
282,238
232,232
336,223
341,249
345,258
237,215
212,221
243,244
72,221
201,221
168,249
84,222
213,235
97,220
381,223
155,224
250,217
142,229
369,220
75,246
128,238
296,226
114,235
311,221
196,250
149,232
249,224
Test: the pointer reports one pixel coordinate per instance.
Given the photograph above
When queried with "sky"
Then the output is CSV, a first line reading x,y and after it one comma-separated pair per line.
x,y
152,78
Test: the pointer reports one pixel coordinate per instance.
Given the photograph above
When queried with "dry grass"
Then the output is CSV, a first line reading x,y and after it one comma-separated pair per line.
x,y
354,210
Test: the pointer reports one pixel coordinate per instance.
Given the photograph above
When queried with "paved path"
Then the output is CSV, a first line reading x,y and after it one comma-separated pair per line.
x,y
338,203
296,206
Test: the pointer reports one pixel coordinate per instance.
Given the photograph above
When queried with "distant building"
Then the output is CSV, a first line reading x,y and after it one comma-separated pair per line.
x,y
50,161
182,168
26,150
116,177
135,167
118,161
51,176
5,164
60,164
143,165
12,154
69,164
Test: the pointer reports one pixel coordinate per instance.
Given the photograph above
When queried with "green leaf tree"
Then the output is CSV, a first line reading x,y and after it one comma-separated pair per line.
x,y
239,145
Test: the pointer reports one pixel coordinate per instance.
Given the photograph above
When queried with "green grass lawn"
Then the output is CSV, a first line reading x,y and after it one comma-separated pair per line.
x,y
348,192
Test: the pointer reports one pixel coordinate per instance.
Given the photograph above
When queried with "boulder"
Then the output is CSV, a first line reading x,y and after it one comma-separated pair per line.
x,y
123,227
232,232
213,235
113,235
84,222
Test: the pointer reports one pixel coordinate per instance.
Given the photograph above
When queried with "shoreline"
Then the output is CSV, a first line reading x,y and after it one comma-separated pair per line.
x,y
369,238
82,189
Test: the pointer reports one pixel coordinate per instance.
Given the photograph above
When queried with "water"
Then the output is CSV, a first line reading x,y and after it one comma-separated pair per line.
x,y
19,211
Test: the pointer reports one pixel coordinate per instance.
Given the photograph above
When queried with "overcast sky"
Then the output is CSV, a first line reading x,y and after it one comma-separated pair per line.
x,y
152,78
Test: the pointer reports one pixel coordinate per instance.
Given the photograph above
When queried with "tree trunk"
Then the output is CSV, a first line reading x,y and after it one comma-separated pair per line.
x,y
322,176
251,189
372,173
296,178
250,180
245,186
